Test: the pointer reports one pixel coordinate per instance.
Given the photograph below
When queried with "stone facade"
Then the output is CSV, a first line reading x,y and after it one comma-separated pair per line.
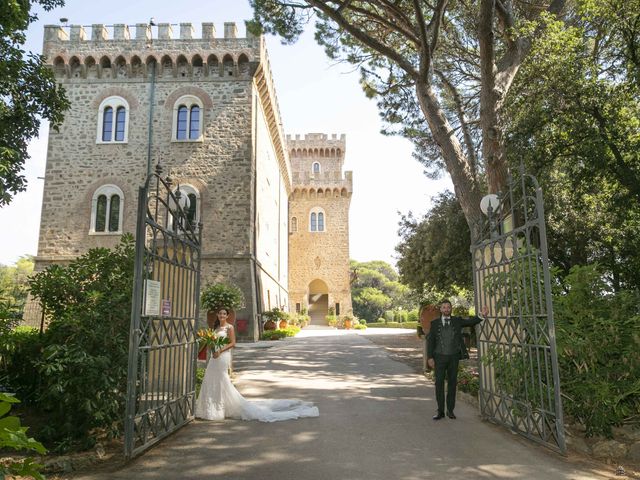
x,y
319,277
238,163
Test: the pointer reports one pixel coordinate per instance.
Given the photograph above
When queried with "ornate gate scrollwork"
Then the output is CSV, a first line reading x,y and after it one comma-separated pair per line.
x,y
162,344
519,378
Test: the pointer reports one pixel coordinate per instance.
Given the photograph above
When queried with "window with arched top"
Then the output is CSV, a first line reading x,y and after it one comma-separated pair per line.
x,y
113,120
190,202
315,168
107,206
187,119
317,220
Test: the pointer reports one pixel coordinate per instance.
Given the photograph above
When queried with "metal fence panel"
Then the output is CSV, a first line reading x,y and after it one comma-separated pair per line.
x,y
519,378
163,343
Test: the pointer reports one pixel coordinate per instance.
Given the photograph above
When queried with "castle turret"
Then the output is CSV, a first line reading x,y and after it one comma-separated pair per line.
x,y
319,275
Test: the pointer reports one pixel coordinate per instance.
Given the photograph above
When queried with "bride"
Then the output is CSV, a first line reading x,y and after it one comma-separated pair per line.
x,y
219,399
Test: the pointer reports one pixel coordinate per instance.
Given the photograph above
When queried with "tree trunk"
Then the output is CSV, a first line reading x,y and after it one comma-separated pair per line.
x,y
490,101
467,189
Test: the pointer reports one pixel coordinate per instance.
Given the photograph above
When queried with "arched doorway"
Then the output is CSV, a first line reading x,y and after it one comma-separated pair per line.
x,y
318,302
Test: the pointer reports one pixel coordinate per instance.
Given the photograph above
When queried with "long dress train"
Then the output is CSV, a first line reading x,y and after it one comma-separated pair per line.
x,y
219,399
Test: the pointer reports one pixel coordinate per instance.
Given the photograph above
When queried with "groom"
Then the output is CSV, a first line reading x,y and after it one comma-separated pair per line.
x,y
445,348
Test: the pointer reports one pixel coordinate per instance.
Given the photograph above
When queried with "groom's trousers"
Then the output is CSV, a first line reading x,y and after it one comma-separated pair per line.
x,y
446,368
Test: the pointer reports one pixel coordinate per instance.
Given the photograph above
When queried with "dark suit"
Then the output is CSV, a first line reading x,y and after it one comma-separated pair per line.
x,y
447,356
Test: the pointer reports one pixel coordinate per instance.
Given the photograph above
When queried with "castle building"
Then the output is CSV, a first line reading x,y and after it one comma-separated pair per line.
x,y
274,210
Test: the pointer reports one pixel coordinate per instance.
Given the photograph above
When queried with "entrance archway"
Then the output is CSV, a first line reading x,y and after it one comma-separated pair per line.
x,y
318,302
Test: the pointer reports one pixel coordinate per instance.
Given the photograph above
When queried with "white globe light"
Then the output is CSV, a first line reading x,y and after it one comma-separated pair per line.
x,y
491,199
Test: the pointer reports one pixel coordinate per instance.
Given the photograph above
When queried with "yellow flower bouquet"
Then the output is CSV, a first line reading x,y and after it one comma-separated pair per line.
x,y
208,339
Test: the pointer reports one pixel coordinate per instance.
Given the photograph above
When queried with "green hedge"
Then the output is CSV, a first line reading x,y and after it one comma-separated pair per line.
x,y
407,325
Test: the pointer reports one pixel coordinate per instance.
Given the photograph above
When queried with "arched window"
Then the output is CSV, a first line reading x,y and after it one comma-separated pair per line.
x,y
106,210
187,119
190,202
113,120
316,168
317,220
294,225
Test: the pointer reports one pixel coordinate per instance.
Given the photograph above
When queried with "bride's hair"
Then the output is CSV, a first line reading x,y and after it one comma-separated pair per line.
x,y
216,323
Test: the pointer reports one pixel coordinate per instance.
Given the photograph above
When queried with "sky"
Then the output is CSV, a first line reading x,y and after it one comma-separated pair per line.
x,y
315,95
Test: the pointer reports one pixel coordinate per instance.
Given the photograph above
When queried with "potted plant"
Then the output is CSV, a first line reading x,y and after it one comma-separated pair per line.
x,y
276,318
219,295
347,321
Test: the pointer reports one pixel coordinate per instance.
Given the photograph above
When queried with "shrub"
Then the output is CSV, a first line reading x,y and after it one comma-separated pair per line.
x,y
360,326
332,320
468,381
389,316
598,345
14,436
413,315
219,295
19,349
82,367
290,331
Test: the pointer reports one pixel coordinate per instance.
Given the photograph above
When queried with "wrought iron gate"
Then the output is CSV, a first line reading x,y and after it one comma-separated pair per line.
x,y
162,342
519,379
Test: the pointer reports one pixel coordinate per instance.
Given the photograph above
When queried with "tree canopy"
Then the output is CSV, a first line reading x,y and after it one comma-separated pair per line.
x,y
376,289
573,117
28,93
434,251
440,72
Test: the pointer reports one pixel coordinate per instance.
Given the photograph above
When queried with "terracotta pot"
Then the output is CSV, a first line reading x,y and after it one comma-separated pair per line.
x,y
347,324
428,313
283,324
269,325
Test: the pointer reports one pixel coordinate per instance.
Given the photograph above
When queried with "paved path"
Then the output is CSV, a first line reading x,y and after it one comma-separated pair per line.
x,y
375,423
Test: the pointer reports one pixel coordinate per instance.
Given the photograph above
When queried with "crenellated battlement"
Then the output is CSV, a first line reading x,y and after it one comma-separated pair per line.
x,y
127,51
317,145
142,32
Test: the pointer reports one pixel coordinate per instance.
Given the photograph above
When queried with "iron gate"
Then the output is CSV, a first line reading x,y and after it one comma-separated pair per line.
x,y
162,342
519,379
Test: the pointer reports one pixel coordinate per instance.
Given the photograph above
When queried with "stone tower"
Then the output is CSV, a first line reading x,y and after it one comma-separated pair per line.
x,y
206,109
319,274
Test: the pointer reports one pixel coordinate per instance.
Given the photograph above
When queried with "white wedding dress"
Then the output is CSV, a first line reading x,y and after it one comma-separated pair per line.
x,y
219,399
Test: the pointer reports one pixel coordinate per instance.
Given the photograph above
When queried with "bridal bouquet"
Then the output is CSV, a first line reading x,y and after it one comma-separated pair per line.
x,y
209,339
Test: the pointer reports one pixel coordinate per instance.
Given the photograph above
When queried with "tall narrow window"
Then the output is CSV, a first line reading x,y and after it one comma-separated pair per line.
x,y
191,210
121,115
320,222
107,124
101,213
316,167
337,309
187,119
181,133
294,224
114,213
113,120
106,210
314,222
194,123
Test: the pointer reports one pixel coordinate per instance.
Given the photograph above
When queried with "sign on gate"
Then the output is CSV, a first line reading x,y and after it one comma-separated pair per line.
x,y
519,378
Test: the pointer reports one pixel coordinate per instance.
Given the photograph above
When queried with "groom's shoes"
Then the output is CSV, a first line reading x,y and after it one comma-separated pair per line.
x,y
451,415
438,416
